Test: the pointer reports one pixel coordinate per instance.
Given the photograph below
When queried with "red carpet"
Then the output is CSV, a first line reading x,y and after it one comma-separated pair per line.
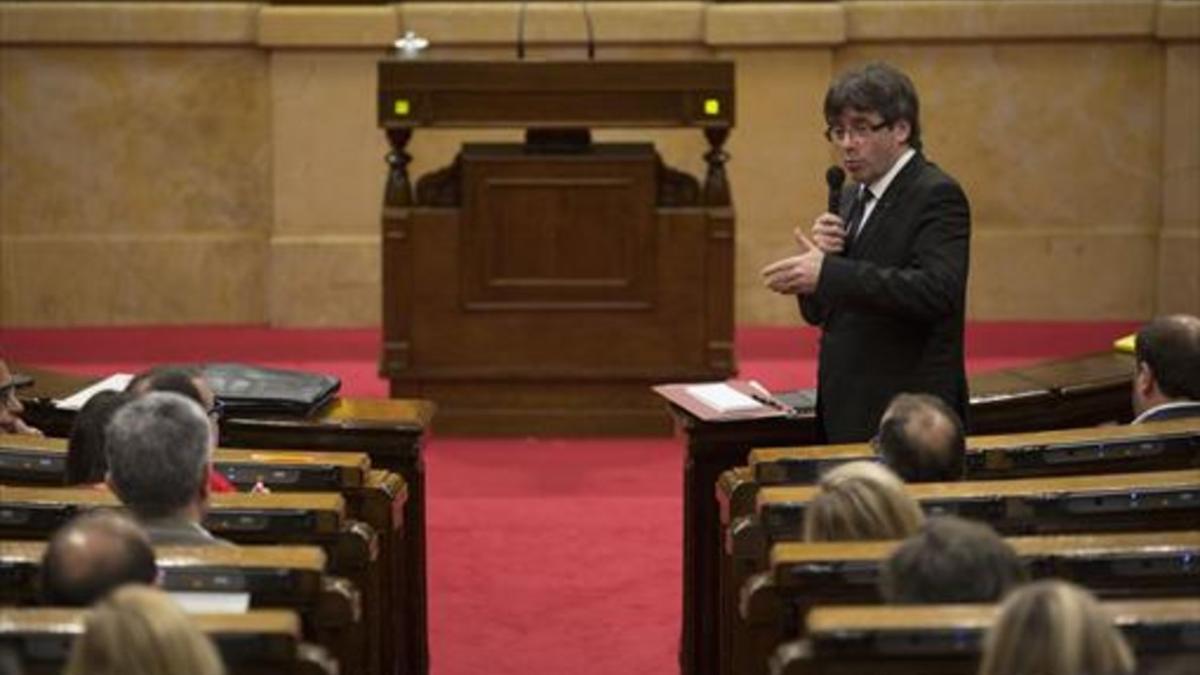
x,y
545,556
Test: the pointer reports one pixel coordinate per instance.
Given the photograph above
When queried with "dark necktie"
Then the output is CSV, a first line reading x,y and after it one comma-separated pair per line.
x,y
855,221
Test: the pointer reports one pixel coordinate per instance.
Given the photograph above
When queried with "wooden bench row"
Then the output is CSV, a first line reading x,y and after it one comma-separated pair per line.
x,y
361,526
947,639
774,605
390,432
754,516
254,643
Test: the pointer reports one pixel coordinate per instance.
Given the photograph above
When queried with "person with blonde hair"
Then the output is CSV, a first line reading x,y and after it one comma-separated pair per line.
x,y
139,630
1052,627
861,500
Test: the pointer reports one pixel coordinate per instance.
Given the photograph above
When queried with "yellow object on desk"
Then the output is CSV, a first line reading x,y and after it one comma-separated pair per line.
x,y
1126,344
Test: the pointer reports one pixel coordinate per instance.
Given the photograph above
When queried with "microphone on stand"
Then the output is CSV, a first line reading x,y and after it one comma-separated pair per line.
x,y
591,33
835,178
521,30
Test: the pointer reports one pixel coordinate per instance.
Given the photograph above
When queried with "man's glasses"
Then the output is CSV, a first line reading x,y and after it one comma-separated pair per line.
x,y
855,132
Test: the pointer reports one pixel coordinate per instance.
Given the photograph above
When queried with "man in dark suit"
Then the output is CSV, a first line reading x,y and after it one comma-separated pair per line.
x,y
1166,382
886,281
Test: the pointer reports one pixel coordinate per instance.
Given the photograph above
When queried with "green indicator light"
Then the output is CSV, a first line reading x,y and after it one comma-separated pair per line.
x,y
712,107
401,107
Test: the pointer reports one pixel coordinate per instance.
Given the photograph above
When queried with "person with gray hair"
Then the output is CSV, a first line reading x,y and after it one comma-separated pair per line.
x,y
159,457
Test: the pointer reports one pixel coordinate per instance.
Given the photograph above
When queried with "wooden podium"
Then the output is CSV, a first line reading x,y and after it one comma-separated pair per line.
x,y
544,287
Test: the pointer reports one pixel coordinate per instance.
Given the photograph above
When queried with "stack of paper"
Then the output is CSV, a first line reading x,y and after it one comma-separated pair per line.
x,y
723,398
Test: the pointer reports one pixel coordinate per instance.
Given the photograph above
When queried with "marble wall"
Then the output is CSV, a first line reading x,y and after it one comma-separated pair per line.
x,y
219,162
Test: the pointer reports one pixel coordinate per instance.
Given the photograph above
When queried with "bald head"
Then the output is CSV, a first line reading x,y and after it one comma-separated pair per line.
x,y
1168,362
92,555
921,439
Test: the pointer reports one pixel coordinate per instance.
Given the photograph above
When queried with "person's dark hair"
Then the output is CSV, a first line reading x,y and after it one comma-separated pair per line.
x,y
921,439
178,379
159,449
951,560
1170,347
92,555
879,88
87,461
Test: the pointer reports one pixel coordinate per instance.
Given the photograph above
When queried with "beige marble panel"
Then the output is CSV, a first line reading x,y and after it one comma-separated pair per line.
x,y
483,23
1181,131
869,20
328,153
332,26
1179,19
1061,135
777,167
128,22
122,140
102,280
1063,275
325,281
1179,272
775,24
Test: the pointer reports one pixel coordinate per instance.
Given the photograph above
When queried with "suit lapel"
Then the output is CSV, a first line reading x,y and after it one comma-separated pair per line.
x,y
880,220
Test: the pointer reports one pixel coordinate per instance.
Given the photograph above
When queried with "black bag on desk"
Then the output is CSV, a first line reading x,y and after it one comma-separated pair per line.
x,y
250,390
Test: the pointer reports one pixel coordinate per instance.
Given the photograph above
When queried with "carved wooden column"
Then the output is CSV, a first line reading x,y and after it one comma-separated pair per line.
x,y
716,185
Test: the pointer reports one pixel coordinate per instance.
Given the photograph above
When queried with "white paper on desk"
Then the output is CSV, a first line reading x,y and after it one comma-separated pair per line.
x,y
722,397
212,603
75,401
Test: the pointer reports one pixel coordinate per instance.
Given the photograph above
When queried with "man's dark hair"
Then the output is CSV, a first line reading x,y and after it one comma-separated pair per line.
x,y
921,439
87,460
951,560
178,379
158,453
879,88
93,555
1170,347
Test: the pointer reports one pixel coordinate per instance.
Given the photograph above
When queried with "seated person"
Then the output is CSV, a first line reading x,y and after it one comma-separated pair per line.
x,y
1052,627
92,555
188,382
10,405
1166,382
861,500
951,560
159,458
140,630
87,461
921,439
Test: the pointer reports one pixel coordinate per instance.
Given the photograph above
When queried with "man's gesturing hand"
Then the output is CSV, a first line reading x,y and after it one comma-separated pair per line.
x,y
797,274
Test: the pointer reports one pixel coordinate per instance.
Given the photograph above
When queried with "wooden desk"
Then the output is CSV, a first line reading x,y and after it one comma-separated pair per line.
x,y
391,432
259,642
1067,393
774,605
1154,446
947,639
1161,500
532,257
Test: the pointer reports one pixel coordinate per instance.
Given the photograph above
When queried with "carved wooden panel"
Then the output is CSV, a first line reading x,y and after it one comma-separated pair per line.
x,y
558,232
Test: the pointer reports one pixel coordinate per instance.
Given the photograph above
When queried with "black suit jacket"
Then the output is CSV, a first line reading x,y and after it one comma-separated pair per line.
x,y
1179,412
892,309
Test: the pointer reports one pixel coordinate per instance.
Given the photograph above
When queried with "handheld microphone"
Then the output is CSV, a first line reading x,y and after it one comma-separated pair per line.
x,y
835,177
